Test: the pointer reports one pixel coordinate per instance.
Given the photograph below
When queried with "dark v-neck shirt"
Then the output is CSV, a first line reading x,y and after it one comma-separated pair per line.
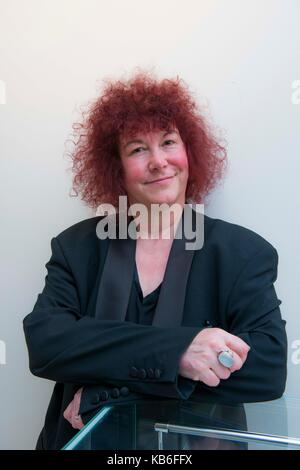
x,y
141,309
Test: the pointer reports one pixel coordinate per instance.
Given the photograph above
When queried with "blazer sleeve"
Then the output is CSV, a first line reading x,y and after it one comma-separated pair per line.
x,y
67,346
253,314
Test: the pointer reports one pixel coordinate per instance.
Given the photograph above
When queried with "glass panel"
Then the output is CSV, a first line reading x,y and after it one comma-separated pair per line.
x,y
135,426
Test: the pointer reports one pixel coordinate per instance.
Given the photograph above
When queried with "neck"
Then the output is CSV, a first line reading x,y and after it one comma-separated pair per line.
x,y
159,221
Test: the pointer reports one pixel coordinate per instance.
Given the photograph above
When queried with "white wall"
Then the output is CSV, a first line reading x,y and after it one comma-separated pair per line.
x,y
239,57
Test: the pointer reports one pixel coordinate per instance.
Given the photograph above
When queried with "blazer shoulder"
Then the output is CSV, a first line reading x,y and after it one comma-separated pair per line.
x,y
239,239
79,233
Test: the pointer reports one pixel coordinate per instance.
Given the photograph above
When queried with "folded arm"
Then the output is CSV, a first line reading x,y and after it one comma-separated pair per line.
x,y
253,314
67,346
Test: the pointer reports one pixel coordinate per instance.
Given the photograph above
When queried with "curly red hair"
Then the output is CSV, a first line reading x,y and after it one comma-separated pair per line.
x,y
141,104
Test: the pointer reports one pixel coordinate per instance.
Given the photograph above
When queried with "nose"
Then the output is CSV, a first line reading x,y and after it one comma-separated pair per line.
x,y
157,160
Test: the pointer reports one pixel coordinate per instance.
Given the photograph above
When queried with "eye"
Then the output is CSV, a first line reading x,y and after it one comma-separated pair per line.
x,y
136,150
172,141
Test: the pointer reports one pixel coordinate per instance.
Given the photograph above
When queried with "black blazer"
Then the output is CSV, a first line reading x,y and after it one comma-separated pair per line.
x,y
76,334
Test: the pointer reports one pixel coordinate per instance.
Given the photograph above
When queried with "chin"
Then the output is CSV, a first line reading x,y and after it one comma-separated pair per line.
x,y
167,199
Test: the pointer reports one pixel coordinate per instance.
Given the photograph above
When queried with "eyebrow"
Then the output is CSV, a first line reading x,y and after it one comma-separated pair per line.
x,y
137,141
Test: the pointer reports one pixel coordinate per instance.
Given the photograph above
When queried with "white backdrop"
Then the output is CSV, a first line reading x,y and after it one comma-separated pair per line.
x,y
242,61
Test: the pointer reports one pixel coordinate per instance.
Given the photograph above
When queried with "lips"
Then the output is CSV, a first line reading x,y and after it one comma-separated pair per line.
x,y
160,179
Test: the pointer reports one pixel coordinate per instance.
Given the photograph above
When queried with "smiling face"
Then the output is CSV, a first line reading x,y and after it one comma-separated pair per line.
x,y
155,167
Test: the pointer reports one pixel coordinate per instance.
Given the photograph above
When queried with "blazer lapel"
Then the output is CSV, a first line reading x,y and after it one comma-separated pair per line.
x,y
116,280
170,306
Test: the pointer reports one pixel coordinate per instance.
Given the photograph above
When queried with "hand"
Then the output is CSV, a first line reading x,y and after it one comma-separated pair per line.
x,y
71,412
200,360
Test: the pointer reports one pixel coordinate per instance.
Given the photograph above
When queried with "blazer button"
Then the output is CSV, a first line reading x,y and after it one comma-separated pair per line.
x,y
104,395
142,374
207,324
157,373
124,391
115,393
133,372
150,373
95,399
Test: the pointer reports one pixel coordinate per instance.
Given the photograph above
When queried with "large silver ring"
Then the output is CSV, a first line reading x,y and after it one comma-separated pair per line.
x,y
225,358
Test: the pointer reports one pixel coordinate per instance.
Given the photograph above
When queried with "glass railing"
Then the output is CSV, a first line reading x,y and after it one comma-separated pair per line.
x,y
180,425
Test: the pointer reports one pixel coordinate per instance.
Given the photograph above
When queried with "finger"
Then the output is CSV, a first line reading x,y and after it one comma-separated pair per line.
x,y
76,418
237,362
77,421
209,378
77,398
67,412
238,346
221,371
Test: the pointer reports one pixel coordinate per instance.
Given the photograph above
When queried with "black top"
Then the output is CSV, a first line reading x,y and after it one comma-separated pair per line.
x,y
141,309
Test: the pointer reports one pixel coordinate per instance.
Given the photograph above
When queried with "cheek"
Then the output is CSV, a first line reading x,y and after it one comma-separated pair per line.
x,y
181,161
134,172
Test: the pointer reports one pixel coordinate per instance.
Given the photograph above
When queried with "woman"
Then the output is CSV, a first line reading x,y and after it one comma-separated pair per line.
x,y
122,318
